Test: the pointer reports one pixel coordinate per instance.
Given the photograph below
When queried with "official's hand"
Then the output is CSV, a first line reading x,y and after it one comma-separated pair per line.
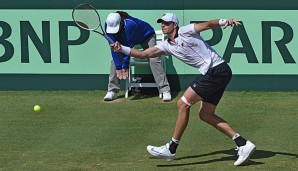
x,y
231,22
119,74
124,73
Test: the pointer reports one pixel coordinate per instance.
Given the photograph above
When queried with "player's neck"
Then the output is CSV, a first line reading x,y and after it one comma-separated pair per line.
x,y
172,36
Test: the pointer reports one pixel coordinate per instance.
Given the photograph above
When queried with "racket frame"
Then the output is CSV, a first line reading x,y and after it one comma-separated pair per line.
x,y
93,29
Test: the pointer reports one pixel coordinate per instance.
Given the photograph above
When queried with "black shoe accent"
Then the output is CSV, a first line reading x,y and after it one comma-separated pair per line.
x,y
173,147
240,141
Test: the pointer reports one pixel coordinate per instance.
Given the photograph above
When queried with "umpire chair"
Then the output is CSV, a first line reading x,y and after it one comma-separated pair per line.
x,y
133,80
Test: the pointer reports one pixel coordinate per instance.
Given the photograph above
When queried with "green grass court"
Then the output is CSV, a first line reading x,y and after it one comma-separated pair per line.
x,y
78,131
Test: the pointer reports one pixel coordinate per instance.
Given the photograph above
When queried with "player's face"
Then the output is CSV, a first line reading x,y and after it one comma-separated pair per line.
x,y
167,27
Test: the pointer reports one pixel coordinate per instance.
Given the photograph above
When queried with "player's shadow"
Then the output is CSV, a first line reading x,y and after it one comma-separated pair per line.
x,y
258,154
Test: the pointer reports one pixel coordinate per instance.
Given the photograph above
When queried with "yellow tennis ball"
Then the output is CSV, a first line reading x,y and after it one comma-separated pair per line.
x,y
37,108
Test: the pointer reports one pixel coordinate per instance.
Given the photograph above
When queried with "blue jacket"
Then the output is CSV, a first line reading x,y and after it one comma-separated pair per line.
x,y
135,32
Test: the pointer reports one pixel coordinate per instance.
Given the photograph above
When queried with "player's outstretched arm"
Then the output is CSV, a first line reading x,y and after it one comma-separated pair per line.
x,y
215,23
148,53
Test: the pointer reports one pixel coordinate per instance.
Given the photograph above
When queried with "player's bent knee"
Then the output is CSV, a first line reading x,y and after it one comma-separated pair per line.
x,y
180,103
182,106
186,101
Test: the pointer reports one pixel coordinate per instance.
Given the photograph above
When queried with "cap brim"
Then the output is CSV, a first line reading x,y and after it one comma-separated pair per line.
x,y
159,20
112,30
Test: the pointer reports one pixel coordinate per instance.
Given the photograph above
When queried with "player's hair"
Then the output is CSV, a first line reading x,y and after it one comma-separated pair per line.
x,y
176,32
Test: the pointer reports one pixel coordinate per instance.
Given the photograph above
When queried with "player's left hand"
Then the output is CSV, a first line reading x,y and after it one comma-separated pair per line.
x,y
231,22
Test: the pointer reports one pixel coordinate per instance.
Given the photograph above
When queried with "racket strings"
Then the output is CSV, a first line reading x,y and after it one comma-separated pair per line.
x,y
87,18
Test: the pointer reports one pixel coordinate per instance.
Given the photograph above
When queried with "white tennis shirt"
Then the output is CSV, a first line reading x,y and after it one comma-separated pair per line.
x,y
191,49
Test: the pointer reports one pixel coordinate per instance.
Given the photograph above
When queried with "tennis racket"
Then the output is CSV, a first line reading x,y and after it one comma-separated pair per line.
x,y
86,17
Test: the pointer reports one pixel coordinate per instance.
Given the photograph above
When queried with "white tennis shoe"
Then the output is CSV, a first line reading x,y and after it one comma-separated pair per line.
x,y
161,152
166,96
110,96
244,152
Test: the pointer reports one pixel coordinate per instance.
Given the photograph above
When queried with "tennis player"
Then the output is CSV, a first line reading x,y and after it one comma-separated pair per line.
x,y
188,46
131,31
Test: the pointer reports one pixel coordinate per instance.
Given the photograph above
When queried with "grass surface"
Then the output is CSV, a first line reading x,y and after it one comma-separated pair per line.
x,y
77,130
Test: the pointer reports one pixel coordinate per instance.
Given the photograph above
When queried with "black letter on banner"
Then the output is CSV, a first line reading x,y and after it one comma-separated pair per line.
x,y
64,42
8,47
247,47
217,34
43,47
281,44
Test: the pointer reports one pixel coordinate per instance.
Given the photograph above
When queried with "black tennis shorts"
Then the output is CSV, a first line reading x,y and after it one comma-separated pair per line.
x,y
211,86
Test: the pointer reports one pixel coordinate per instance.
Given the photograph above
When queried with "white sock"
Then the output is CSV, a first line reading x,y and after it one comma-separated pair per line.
x,y
175,141
235,136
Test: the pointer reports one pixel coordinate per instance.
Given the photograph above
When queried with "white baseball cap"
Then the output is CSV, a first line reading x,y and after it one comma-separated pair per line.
x,y
168,17
113,23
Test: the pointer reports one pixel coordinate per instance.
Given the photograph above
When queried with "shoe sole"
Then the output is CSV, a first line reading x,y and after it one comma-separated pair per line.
x,y
108,99
246,160
168,159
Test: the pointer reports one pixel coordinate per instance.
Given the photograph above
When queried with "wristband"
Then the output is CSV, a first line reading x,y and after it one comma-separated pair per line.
x,y
125,50
222,22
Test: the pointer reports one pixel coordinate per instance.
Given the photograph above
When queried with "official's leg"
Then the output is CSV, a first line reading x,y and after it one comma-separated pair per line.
x,y
114,84
159,74
157,68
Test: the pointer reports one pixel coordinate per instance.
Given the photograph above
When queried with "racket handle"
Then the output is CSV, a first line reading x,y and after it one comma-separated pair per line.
x,y
109,39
